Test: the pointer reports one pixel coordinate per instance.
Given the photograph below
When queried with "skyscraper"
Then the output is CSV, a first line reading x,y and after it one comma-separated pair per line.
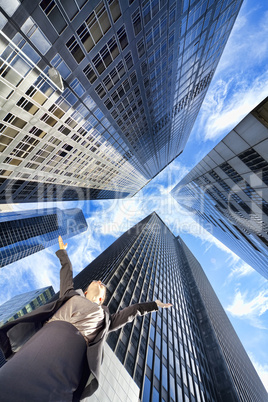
x,y
227,193
98,96
187,352
22,304
23,233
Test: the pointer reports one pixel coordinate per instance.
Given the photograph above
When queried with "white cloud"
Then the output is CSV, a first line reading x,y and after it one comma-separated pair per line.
x,y
113,217
240,269
248,308
262,370
33,272
221,113
241,78
116,216
247,45
84,248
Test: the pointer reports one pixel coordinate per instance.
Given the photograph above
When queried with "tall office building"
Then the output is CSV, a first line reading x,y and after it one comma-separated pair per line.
x,y
98,96
23,233
227,191
185,353
22,304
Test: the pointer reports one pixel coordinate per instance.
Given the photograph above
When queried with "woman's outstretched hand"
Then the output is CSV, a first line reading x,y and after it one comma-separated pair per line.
x,y
61,244
163,305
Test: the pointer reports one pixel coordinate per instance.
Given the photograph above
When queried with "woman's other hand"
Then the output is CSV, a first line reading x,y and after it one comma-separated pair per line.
x,y
61,244
163,305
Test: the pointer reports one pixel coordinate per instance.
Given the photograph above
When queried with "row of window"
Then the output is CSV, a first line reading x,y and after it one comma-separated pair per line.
x,y
146,252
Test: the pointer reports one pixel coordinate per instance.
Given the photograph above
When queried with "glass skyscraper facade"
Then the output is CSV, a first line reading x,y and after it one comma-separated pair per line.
x,y
227,191
22,304
23,233
189,352
98,96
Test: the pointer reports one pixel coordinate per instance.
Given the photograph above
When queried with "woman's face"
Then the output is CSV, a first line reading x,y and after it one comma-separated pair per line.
x,y
96,292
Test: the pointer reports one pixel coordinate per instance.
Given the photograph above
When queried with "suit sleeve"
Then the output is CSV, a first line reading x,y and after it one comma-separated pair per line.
x,y
66,272
119,319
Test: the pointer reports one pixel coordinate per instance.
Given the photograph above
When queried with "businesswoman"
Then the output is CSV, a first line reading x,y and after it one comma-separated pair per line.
x,y
55,352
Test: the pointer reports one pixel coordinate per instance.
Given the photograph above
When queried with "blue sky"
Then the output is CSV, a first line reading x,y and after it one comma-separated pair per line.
x,y
240,83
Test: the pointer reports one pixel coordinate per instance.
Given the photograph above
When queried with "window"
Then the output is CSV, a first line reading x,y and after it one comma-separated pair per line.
x,y
5,90
152,332
48,120
146,389
95,27
122,36
157,367
140,48
115,9
164,377
15,121
136,20
155,395
164,349
115,75
256,163
158,340
106,55
61,66
54,15
75,49
70,8
150,357
77,87
28,106
36,35
246,238
90,73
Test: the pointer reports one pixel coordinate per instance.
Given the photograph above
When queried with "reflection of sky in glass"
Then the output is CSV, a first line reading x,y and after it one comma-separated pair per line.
x,y
36,36
155,395
3,21
89,102
40,41
61,66
31,53
146,389
20,66
10,6
77,87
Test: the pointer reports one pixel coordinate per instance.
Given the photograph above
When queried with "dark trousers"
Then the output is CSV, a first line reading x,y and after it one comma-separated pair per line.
x,y
48,368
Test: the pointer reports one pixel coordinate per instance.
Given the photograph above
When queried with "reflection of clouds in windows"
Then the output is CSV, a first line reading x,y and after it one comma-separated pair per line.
x,y
77,87
3,21
61,66
9,6
20,66
36,35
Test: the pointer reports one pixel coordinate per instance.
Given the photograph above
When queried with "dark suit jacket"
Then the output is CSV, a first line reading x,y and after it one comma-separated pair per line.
x,y
15,333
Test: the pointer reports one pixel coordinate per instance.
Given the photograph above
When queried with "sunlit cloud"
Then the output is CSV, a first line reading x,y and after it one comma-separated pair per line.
x,y
262,370
239,270
85,247
246,46
33,272
221,114
115,217
241,78
250,308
